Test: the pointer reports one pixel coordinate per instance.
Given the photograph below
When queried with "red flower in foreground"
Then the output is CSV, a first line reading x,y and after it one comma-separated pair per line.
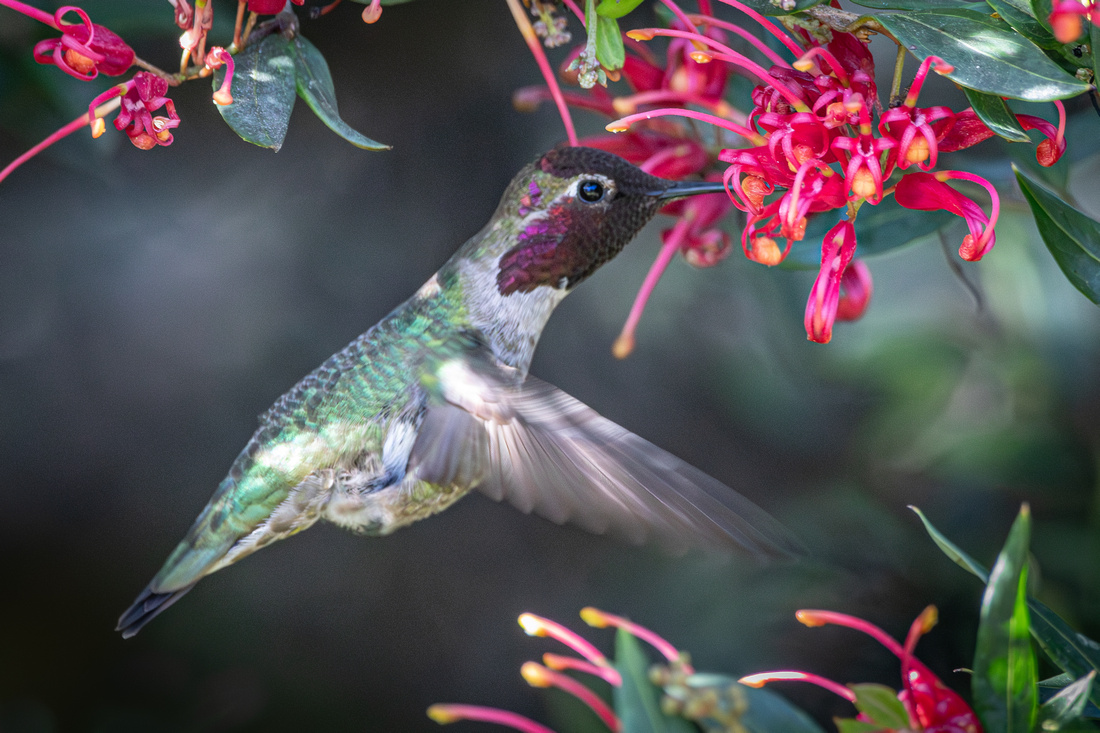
x,y
549,673
84,49
141,96
932,707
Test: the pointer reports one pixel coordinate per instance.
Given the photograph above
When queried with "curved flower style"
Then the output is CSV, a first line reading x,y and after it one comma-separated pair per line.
x,y
931,706
590,660
84,49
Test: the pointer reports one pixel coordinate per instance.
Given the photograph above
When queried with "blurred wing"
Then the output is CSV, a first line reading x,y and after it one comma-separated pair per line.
x,y
546,452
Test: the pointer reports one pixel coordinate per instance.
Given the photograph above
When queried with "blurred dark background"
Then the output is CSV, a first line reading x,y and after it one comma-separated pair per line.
x,y
152,304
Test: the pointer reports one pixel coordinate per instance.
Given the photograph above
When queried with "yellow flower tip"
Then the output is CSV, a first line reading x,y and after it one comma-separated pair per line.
x,y
641,34
535,674
942,67
622,348
612,74
803,64
752,680
808,618
701,57
617,126
98,127
699,45
442,714
532,624
593,616
928,618
223,99
623,106
766,251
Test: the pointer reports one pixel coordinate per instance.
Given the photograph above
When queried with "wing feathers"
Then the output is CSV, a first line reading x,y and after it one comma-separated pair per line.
x,y
548,453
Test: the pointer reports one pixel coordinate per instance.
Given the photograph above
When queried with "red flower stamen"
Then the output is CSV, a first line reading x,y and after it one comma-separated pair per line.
x,y
535,45
445,714
538,626
821,309
762,678
602,619
540,676
743,33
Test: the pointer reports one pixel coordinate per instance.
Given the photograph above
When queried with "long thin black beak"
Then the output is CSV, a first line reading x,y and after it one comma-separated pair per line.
x,y
679,189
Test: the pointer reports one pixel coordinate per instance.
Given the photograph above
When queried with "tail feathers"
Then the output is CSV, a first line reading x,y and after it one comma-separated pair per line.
x,y
146,608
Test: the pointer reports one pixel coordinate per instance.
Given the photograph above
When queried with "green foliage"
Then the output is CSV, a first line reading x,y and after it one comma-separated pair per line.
x,y
1075,653
987,54
1005,678
268,75
1072,237
637,700
996,115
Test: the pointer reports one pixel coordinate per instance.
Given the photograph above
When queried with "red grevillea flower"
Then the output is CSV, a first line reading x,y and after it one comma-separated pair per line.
x,y
84,49
1065,18
821,309
141,96
931,706
269,7
855,291
928,192
549,674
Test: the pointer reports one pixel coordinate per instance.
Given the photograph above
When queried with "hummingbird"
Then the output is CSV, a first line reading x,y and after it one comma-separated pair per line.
x,y
435,401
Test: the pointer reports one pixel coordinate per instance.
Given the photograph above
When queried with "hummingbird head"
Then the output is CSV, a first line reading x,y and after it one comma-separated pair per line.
x,y
577,208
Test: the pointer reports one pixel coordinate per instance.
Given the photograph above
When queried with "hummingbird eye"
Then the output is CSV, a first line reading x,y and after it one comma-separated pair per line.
x,y
590,191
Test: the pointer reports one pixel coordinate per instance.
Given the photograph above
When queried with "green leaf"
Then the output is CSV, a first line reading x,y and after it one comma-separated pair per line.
x,y
786,7
314,85
1075,653
616,8
951,549
731,706
1066,708
1005,677
637,701
987,55
881,705
996,115
919,4
263,92
1094,44
1072,237
1018,14
609,44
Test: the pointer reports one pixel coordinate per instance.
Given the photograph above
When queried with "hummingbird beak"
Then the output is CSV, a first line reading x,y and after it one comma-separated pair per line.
x,y
680,189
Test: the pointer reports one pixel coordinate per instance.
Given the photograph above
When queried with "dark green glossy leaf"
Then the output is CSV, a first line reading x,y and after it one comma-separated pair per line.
x,y
616,8
879,229
951,549
609,44
733,706
1065,709
1094,43
919,4
1072,238
314,85
263,92
1005,679
996,115
1076,654
781,7
987,54
1018,14
1051,686
881,705
637,700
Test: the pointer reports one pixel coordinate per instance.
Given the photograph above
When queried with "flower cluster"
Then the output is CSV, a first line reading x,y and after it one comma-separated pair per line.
x,y
928,703
550,673
86,49
1066,15
814,139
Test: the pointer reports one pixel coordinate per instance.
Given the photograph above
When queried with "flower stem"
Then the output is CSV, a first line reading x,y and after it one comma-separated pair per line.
x,y
39,15
533,43
68,129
